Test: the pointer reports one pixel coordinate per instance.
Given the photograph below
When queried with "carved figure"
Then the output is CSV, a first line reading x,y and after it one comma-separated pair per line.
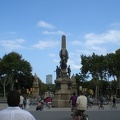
x,y
57,72
64,58
69,71
35,79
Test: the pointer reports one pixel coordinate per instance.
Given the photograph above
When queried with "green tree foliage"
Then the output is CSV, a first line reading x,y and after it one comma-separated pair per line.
x,y
15,67
100,67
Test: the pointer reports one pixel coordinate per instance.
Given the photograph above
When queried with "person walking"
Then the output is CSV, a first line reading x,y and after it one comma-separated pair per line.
x,y
21,101
24,102
13,111
27,102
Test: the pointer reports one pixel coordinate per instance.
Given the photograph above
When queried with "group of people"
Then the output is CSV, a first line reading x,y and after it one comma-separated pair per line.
x,y
48,102
79,103
13,111
108,100
24,102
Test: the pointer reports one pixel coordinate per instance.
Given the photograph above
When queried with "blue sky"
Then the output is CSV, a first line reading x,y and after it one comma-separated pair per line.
x,y
34,28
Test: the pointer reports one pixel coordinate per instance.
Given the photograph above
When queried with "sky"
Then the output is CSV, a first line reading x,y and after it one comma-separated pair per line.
x,y
34,29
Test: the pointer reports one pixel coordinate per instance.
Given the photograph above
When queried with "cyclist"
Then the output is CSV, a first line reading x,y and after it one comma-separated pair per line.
x,y
73,98
101,101
81,106
39,106
114,101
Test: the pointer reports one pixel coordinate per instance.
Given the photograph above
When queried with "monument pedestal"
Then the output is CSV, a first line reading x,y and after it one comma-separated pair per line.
x,y
35,93
62,96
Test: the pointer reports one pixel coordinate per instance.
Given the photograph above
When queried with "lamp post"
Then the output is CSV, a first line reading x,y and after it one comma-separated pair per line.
x,y
17,82
49,90
80,88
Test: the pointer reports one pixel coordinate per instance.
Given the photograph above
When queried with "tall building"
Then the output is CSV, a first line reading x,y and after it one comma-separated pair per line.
x,y
49,79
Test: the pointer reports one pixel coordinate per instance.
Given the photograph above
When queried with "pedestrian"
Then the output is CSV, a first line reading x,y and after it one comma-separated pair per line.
x,y
13,111
27,102
24,102
21,101
49,102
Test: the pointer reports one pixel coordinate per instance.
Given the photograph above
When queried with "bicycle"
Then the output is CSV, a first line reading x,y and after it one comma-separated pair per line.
x,y
114,106
89,105
82,116
100,106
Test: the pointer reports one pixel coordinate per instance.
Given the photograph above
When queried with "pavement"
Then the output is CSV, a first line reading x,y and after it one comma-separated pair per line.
x,y
93,108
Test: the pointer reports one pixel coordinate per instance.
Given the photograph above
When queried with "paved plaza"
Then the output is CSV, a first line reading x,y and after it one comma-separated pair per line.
x,y
64,113
33,108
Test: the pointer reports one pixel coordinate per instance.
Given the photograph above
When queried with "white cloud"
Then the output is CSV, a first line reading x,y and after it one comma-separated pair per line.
x,y
45,44
52,55
73,63
115,25
100,44
45,25
20,40
57,61
76,42
53,32
12,44
75,66
111,36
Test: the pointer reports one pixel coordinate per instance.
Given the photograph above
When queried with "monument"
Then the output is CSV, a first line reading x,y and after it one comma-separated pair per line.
x,y
65,86
35,91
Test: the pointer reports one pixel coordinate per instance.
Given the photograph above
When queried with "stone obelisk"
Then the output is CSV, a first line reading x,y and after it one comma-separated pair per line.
x,y
63,82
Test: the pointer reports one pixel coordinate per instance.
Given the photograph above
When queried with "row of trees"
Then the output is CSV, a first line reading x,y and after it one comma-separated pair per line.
x,y
101,68
15,72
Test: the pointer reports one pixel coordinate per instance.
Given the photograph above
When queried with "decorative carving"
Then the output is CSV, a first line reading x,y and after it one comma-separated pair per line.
x,y
35,81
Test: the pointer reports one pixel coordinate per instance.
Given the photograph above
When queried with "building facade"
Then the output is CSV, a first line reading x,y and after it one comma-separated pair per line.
x,y
49,79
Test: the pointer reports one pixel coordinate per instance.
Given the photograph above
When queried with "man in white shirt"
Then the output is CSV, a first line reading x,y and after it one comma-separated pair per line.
x,y
14,112
81,105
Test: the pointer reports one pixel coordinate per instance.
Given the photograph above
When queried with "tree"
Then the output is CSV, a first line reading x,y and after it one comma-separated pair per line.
x,y
114,68
94,66
13,67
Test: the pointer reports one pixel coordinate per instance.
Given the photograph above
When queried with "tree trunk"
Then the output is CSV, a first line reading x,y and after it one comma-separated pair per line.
x,y
96,93
12,86
118,87
4,90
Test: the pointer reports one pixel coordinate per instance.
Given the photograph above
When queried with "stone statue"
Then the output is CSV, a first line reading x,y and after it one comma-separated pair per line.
x,y
58,70
35,82
73,78
63,63
69,71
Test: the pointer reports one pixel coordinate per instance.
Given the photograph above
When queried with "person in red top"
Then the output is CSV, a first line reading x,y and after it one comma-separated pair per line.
x,y
73,98
48,101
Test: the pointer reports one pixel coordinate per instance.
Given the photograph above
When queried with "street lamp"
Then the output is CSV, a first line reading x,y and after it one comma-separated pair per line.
x,y
80,88
17,84
49,91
